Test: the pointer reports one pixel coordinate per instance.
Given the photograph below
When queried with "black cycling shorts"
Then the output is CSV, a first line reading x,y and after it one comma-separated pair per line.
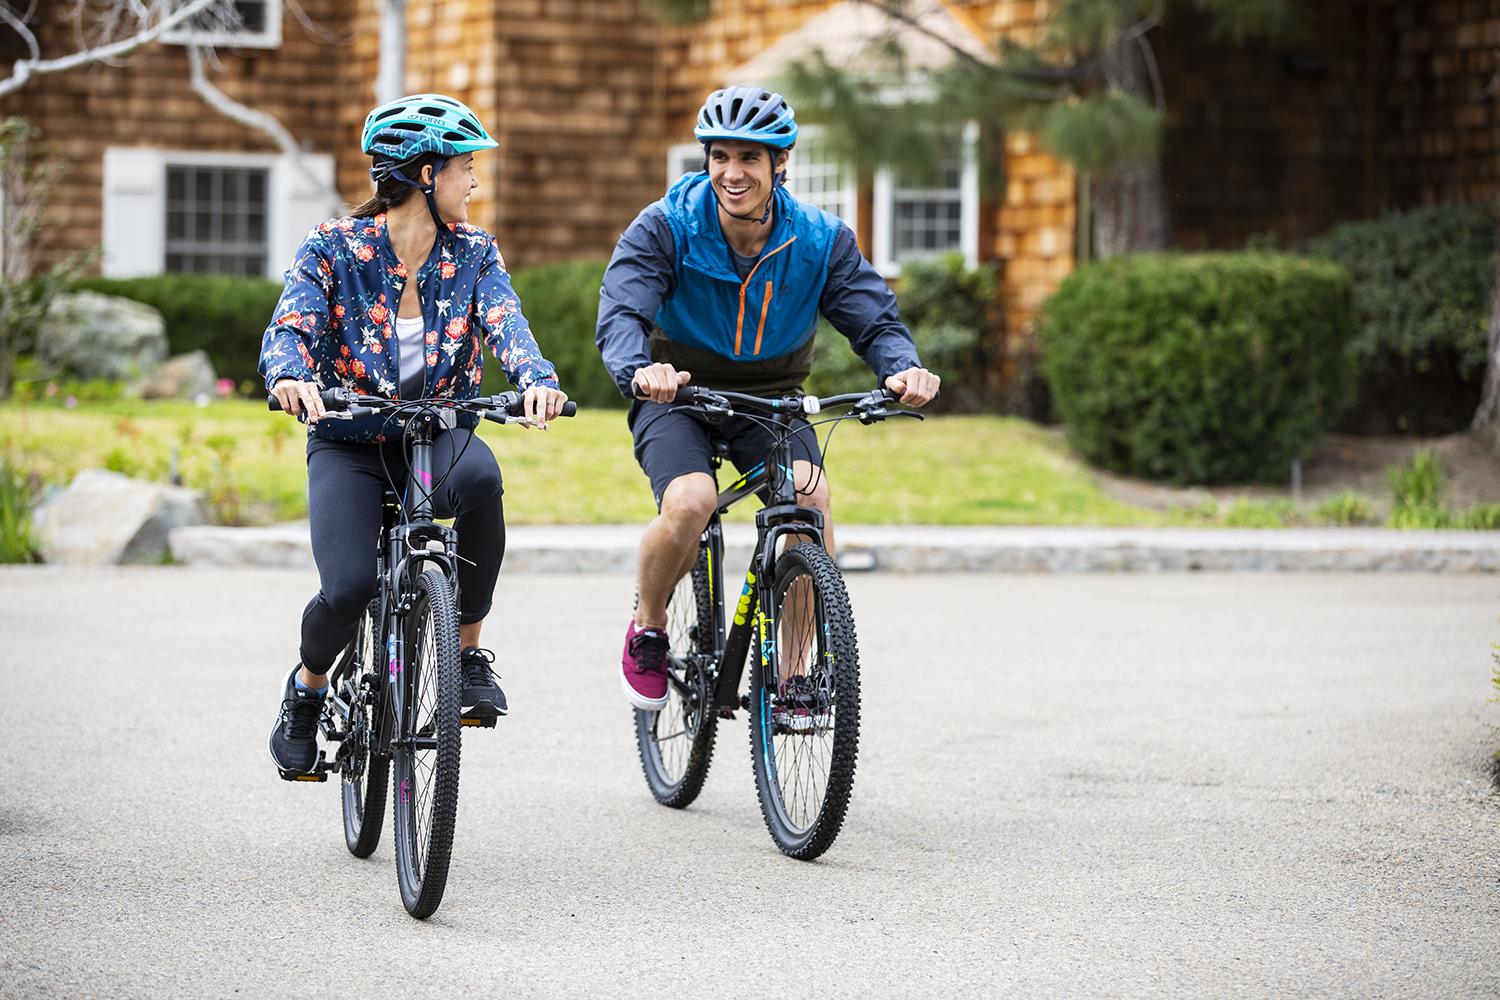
x,y
672,441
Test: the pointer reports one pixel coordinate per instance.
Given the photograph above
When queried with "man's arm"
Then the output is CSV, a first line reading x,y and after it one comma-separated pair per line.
x,y
639,278
861,306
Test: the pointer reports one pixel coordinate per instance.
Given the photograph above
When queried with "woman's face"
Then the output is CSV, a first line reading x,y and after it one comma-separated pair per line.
x,y
454,185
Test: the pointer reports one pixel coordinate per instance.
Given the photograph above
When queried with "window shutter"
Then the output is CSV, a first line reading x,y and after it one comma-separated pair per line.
x,y
134,226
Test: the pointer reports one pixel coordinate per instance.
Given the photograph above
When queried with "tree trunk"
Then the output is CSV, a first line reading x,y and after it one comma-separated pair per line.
x,y
1487,418
1130,204
1130,211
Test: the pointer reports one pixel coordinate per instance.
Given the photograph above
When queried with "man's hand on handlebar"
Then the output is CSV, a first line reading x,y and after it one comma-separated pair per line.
x,y
659,382
916,386
298,397
540,404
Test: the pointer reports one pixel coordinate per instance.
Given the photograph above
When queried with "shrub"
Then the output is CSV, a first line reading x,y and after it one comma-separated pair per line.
x,y
1422,284
1247,513
1204,368
951,312
18,541
561,302
1346,509
223,315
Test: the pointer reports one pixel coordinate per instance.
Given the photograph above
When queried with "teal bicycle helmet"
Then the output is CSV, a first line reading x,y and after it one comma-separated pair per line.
x,y
399,132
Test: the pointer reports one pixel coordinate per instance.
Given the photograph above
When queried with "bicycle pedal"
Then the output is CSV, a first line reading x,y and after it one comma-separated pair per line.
x,y
319,775
480,721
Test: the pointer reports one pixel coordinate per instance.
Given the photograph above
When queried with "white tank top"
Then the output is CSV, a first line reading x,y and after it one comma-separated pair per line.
x,y
413,356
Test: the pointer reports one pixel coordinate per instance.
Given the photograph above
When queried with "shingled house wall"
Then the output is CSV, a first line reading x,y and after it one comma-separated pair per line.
x,y
148,101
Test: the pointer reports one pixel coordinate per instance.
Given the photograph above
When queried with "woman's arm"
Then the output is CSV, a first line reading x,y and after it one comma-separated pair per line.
x,y
504,327
301,315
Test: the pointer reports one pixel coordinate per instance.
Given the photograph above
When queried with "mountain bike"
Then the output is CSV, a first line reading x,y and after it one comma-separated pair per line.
x,y
393,707
792,616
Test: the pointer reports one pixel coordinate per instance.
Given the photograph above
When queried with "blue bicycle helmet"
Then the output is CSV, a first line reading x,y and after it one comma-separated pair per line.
x,y
423,123
748,114
398,132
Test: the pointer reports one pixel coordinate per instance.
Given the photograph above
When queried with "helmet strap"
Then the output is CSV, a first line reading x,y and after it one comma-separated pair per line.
x,y
427,192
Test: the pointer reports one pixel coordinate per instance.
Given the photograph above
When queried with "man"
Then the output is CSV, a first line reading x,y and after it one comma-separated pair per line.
x,y
723,280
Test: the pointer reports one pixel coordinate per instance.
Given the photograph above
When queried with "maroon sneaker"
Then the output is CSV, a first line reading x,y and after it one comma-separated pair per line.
x,y
643,668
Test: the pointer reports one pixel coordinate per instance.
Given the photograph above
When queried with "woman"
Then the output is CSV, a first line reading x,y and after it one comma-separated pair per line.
x,y
394,301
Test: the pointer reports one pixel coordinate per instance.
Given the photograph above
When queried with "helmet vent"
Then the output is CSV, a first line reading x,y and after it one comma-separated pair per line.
x,y
734,110
430,110
388,112
455,137
469,126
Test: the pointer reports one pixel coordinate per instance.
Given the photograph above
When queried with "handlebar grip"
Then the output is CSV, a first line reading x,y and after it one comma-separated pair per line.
x,y
569,409
273,403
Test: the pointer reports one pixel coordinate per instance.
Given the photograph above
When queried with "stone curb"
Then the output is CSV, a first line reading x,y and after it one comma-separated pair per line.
x,y
931,549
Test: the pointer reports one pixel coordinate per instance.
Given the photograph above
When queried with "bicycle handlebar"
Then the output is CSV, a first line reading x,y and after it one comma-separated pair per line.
x,y
501,408
868,407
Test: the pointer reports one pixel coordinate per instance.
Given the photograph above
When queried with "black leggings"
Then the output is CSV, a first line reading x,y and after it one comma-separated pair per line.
x,y
344,486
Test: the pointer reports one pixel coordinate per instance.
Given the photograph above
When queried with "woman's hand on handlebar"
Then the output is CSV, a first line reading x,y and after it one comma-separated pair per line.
x,y
298,397
659,382
540,404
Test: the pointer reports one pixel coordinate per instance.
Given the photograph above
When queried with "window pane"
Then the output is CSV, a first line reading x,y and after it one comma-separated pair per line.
x,y
217,224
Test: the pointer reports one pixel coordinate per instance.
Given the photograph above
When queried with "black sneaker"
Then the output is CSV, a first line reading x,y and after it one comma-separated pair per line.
x,y
482,697
294,741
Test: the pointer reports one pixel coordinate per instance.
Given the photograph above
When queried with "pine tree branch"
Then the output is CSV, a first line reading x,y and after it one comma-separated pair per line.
x,y
25,69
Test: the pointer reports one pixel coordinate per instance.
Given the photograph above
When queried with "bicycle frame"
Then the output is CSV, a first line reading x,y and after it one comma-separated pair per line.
x,y
780,517
407,550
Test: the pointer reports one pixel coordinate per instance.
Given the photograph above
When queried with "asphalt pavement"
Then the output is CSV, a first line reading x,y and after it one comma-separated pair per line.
x,y
1100,785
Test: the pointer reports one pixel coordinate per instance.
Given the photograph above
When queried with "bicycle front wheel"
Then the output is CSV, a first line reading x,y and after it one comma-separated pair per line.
x,y
425,751
804,710
364,767
677,743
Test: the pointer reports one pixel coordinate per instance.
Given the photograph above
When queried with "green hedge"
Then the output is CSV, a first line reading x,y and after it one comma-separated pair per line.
x,y
223,315
1422,285
561,301
1205,368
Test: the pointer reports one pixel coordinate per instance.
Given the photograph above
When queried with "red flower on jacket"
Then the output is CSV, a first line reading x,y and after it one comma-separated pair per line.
x,y
290,319
448,269
338,310
399,270
307,358
493,315
358,367
365,252
378,313
430,337
457,327
344,350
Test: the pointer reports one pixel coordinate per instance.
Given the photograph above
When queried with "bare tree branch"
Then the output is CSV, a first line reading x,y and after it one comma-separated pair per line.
x,y
263,122
19,23
1149,55
25,69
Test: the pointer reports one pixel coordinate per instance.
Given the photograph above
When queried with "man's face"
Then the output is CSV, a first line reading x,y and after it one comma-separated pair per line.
x,y
742,174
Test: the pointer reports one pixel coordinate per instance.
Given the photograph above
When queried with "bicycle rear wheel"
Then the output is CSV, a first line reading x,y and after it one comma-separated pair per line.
x,y
804,711
365,770
677,743
425,750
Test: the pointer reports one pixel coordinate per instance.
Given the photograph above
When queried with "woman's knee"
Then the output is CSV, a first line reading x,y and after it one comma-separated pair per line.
x,y
347,596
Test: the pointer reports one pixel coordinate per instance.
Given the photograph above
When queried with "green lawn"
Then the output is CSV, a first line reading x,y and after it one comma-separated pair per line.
x,y
948,470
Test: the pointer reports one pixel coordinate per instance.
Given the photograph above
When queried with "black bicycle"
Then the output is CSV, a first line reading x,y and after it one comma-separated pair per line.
x,y
394,693
793,612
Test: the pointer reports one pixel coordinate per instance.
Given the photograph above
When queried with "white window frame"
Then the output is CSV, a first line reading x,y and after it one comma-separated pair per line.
x,y
968,189
135,204
682,159
848,194
270,38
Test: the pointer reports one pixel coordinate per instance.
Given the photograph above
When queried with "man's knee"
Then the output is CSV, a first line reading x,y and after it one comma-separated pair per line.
x,y
812,486
689,501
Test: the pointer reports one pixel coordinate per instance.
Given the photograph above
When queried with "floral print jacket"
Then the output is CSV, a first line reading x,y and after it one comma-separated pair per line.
x,y
335,322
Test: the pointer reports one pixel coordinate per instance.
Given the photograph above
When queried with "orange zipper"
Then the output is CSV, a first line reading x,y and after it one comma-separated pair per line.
x,y
765,304
739,326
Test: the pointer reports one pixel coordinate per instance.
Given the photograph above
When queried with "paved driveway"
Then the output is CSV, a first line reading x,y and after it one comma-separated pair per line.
x,y
1088,785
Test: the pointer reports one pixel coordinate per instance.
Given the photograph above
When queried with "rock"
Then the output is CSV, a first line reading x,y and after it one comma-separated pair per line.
x,y
89,335
185,376
104,517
